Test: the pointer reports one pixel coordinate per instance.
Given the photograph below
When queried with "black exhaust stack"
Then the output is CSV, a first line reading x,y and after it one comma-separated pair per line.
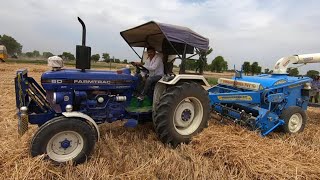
x,y
83,53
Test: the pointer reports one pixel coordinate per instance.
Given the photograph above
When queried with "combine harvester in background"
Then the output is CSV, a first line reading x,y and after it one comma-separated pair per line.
x,y
3,53
266,102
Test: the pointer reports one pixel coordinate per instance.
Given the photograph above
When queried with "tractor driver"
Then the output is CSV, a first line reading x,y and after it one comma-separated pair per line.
x,y
155,66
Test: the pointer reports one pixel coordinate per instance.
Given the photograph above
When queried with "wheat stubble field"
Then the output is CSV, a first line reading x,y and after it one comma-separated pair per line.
x,y
219,152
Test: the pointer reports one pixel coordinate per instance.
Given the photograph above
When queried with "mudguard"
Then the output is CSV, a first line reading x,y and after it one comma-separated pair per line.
x,y
86,117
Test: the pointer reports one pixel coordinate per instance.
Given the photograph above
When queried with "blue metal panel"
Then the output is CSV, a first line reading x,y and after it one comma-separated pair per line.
x,y
66,80
265,81
235,97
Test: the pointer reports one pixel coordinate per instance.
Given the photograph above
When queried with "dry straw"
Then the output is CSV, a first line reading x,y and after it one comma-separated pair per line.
x,y
220,152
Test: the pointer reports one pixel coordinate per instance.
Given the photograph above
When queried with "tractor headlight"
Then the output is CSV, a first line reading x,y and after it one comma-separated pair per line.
x,y
58,97
54,100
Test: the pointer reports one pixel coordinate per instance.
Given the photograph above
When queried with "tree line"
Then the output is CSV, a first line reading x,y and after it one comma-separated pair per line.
x,y
14,49
253,68
218,64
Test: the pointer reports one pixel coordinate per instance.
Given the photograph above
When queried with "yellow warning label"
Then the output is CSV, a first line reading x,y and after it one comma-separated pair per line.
x,y
240,84
282,81
235,98
294,86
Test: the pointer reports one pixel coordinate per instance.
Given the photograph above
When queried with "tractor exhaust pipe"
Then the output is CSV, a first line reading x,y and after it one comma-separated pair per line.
x,y
83,31
83,53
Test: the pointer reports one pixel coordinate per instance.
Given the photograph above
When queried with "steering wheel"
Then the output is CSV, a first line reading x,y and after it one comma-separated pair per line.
x,y
140,68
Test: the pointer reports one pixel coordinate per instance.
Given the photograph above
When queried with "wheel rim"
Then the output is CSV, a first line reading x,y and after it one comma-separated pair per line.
x,y
188,116
64,146
295,122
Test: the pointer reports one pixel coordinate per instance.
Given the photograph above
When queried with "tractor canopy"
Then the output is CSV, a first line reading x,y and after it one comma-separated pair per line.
x,y
167,38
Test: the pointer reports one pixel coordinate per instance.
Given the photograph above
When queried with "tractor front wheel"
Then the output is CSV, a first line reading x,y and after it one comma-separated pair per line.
x,y
294,119
183,111
64,139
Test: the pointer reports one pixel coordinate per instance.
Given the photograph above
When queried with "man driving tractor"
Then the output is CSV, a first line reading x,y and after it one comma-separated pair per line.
x,y
155,66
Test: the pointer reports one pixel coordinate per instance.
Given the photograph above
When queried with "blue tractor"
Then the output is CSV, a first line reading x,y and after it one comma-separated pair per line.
x,y
70,103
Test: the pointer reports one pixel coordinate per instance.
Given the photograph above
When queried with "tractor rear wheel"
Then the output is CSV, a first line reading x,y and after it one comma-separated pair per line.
x,y
64,139
294,119
183,111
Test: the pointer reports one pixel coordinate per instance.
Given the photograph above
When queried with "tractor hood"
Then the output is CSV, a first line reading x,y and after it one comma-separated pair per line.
x,y
92,79
266,80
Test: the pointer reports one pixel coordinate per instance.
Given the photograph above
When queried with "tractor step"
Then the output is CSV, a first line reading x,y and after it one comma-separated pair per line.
x,y
139,109
140,106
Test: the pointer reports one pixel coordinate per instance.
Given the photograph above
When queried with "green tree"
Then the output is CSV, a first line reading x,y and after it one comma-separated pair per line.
x,y
11,44
246,67
117,60
106,57
259,69
225,65
29,54
218,64
191,64
312,73
67,56
293,71
255,68
267,71
95,57
36,53
47,54
125,61
203,60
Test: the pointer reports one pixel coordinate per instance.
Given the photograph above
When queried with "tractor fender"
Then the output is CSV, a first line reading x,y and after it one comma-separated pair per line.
x,y
184,77
166,81
86,117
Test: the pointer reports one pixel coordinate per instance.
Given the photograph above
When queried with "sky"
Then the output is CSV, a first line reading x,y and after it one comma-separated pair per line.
x,y
246,30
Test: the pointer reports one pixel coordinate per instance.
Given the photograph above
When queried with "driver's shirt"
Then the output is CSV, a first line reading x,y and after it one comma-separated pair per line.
x,y
155,66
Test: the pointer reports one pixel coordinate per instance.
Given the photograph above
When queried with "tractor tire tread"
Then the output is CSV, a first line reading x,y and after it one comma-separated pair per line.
x,y
161,115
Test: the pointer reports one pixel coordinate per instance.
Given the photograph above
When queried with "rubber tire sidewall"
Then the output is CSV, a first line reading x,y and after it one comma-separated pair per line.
x,y
163,121
286,115
60,124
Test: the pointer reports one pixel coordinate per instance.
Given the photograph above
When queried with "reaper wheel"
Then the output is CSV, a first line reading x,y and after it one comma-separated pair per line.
x,y
182,111
295,119
64,139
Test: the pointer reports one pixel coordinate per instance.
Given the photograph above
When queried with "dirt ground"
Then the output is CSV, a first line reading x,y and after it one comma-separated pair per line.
x,y
219,152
